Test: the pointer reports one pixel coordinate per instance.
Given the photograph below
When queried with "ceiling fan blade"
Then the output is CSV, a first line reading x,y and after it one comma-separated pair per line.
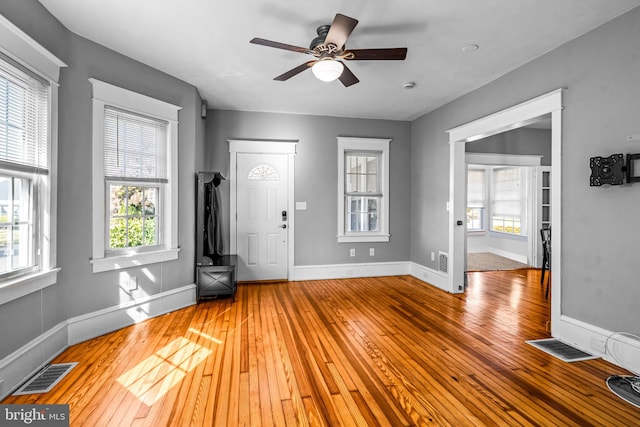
x,y
340,30
398,53
294,71
347,77
279,45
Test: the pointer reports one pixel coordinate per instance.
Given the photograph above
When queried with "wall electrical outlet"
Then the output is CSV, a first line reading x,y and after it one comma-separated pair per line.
x,y
352,252
433,256
372,251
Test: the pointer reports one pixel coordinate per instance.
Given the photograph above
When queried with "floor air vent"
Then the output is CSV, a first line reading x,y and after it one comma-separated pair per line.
x,y
46,379
561,350
443,262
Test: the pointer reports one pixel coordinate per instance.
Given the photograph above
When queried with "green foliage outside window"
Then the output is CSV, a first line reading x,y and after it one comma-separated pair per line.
x,y
133,219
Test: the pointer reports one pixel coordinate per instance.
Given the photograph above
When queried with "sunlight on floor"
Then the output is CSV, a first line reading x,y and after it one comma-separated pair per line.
x,y
157,374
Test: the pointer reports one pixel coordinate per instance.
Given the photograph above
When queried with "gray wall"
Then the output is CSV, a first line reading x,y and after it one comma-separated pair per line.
x,y
78,290
523,141
600,225
316,177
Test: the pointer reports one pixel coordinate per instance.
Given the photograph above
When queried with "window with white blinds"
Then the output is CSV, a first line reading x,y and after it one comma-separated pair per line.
x,y
508,197
476,196
476,188
24,118
135,147
24,144
135,179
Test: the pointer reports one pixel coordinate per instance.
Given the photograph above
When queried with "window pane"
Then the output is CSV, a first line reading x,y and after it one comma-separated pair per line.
x,y
361,173
150,231
16,227
150,201
475,219
362,214
372,165
135,199
5,258
118,233
117,206
21,246
263,172
133,218
134,227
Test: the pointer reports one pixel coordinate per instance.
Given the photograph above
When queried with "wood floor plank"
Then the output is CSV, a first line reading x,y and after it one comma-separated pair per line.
x,y
383,351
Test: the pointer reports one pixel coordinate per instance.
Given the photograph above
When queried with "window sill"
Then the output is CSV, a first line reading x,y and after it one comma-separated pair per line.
x,y
24,285
133,260
363,238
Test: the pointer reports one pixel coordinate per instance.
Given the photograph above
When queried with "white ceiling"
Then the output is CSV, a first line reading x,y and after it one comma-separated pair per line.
x,y
206,43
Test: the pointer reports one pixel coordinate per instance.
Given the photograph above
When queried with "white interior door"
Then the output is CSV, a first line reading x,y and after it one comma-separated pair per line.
x,y
262,216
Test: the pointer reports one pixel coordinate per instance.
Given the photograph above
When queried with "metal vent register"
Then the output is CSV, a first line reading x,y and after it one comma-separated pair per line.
x,y
46,379
561,350
443,262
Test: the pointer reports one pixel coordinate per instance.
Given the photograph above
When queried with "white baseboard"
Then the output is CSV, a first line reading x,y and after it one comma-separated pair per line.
x,y
614,347
111,319
511,255
377,269
429,275
345,271
30,358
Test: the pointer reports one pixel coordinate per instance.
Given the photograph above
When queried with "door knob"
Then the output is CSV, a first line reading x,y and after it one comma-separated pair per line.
x,y
283,226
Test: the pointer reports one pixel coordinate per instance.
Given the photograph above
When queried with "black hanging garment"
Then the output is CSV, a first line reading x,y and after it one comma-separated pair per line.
x,y
213,238
218,242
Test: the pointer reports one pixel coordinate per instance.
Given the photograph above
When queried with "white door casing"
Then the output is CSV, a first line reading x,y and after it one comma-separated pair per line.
x,y
261,185
511,118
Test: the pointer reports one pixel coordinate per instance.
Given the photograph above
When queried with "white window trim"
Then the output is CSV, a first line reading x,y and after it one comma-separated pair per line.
x,y
23,49
364,144
107,94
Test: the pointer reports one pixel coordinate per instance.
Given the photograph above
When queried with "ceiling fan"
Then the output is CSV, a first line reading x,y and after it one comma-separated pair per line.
x,y
329,49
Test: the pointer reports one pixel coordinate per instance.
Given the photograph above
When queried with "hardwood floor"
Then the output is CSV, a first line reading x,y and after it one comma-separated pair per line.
x,y
376,351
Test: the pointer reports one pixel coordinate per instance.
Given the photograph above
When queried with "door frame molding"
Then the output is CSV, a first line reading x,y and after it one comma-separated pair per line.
x,y
511,118
254,146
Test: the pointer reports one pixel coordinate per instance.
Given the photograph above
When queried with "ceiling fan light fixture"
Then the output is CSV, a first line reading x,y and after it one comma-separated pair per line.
x,y
327,70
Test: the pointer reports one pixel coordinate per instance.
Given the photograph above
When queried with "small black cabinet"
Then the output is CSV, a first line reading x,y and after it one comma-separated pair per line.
x,y
216,277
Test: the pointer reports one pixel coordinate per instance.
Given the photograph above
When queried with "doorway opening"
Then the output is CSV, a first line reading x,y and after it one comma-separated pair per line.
x,y
507,201
512,118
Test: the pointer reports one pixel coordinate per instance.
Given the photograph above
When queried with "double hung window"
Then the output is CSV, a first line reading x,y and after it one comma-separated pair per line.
x,y
135,140
362,192
28,163
135,169
363,197
24,167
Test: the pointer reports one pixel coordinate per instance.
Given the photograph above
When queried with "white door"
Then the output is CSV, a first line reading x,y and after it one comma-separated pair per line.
x,y
262,217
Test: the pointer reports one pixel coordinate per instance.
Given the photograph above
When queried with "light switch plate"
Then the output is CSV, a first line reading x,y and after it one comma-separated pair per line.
x,y
301,206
